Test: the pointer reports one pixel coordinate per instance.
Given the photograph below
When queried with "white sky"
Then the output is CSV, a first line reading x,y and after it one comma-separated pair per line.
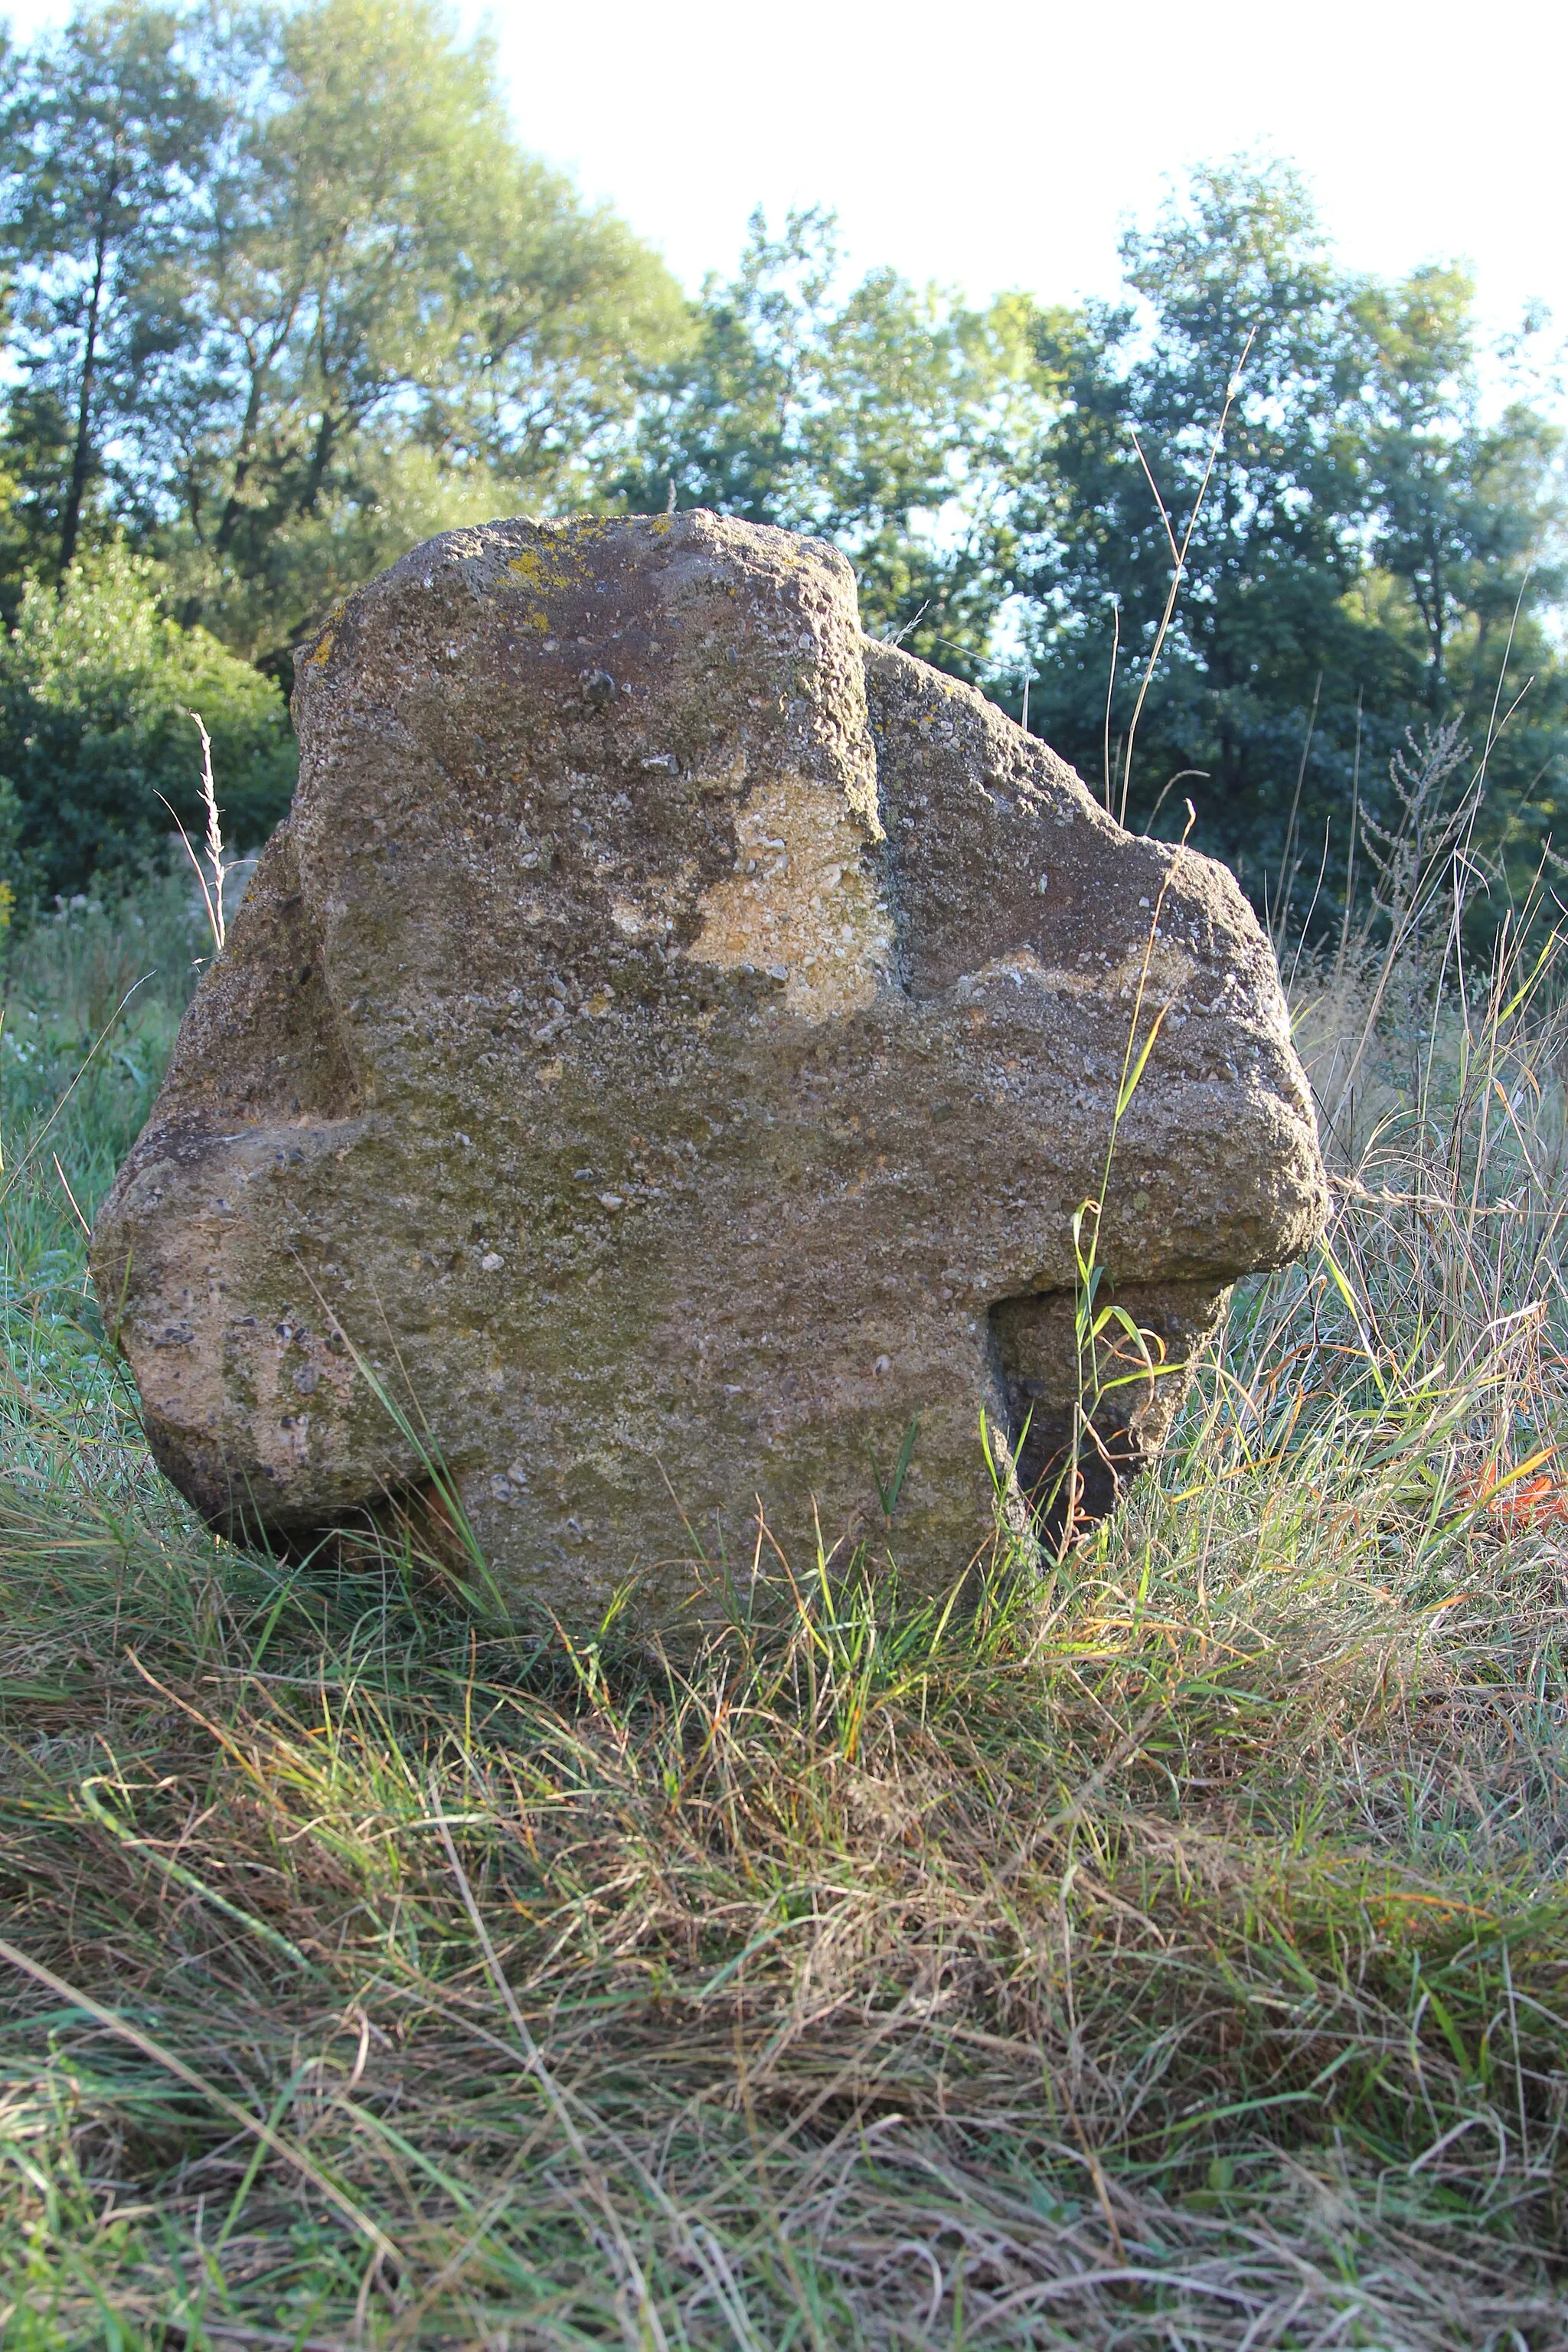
x,y
991,143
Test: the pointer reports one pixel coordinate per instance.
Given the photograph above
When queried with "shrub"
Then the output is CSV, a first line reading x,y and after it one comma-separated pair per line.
x,y
95,685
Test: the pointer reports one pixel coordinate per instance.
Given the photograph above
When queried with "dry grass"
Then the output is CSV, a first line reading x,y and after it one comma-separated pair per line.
x,y
1176,1958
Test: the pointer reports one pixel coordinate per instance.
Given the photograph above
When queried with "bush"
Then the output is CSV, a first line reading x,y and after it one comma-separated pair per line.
x,y
96,686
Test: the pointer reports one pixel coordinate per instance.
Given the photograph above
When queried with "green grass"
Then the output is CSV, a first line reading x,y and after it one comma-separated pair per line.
x,y
1175,1956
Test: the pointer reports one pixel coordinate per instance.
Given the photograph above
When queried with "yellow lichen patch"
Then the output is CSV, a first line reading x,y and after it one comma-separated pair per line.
x,y
548,567
321,652
800,904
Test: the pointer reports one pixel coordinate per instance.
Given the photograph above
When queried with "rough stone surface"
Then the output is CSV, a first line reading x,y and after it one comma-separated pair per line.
x,y
670,1040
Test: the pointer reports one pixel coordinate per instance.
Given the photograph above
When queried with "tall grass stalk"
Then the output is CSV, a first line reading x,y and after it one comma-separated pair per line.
x,y
218,862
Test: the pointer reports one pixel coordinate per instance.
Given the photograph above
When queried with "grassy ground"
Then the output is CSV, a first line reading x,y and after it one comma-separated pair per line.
x,y
1175,1958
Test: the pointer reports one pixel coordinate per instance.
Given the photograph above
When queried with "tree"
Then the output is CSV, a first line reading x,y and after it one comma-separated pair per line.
x,y
1467,518
1361,545
290,293
875,417
1241,307
102,140
402,319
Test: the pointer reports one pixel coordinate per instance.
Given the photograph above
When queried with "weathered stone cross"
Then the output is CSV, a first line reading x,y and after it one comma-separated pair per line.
x,y
664,1053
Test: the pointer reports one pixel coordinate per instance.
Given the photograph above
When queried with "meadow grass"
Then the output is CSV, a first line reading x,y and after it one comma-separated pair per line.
x,y
1172,1956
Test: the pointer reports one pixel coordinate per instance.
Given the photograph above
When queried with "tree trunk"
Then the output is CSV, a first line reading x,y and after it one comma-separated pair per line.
x,y
261,364
319,457
81,455
232,505
1437,686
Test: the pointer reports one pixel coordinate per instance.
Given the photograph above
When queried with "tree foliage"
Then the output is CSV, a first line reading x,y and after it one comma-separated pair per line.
x,y
403,320
1365,539
97,687
287,296
106,134
340,307
878,416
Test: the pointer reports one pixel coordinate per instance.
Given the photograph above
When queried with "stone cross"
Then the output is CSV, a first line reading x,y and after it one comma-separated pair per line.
x,y
652,1082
